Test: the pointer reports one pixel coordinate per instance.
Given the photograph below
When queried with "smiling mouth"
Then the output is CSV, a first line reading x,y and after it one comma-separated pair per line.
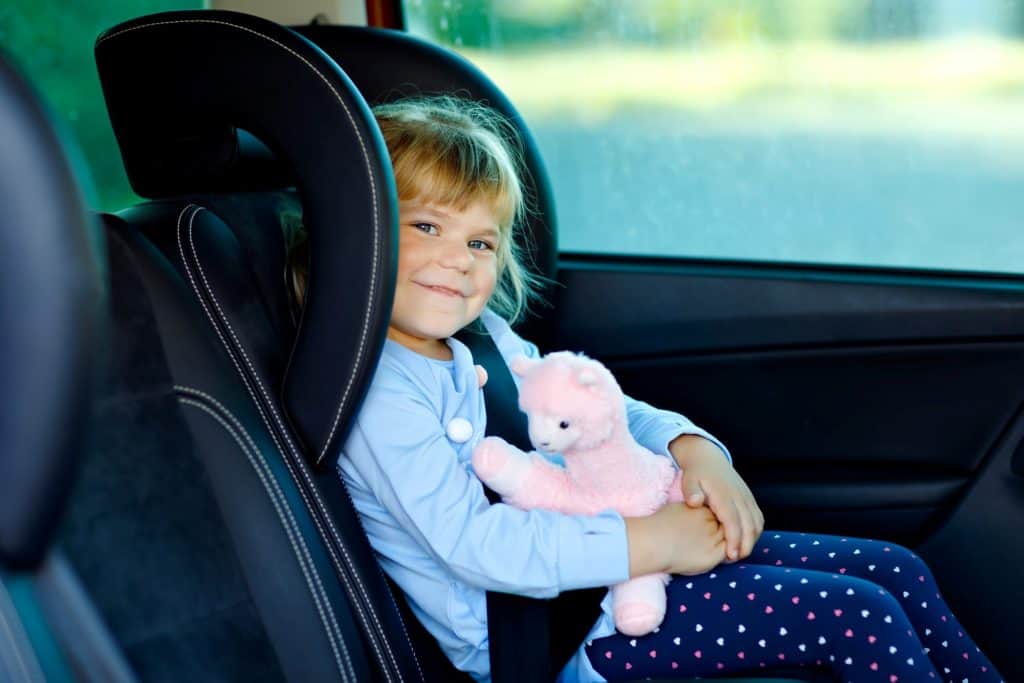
x,y
444,291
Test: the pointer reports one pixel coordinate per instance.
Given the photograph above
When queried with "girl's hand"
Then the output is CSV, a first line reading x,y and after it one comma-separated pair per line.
x,y
677,539
709,479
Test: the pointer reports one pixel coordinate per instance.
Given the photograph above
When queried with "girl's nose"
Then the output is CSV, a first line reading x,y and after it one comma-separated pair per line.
x,y
456,255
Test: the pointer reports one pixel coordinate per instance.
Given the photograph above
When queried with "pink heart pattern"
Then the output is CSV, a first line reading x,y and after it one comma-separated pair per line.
x,y
904,630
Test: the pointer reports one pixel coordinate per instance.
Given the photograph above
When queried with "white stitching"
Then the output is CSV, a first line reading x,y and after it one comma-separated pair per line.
x,y
211,399
252,370
287,521
245,380
285,436
361,350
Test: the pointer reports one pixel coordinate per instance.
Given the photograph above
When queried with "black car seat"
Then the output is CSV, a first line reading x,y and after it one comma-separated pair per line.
x,y
200,524
50,332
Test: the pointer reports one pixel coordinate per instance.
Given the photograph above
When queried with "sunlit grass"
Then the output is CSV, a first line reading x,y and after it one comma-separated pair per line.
x,y
971,86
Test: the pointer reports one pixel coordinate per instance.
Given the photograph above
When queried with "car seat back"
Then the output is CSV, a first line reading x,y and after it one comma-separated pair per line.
x,y
220,521
51,334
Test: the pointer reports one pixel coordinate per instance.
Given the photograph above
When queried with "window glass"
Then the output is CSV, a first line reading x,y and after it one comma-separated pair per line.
x,y
51,41
870,132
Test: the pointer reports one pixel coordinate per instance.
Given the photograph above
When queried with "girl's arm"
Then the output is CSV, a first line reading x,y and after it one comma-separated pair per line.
x,y
654,429
708,477
676,539
402,454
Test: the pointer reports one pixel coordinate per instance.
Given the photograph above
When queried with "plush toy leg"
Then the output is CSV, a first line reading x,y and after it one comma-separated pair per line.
x,y
639,604
501,466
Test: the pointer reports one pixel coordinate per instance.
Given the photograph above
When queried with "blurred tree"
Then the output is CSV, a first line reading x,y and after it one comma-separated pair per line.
x,y
515,24
52,41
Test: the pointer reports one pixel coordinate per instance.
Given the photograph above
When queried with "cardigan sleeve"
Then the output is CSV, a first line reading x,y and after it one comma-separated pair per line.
x,y
402,454
654,429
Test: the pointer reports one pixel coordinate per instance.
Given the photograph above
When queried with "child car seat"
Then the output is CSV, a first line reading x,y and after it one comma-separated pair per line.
x,y
209,538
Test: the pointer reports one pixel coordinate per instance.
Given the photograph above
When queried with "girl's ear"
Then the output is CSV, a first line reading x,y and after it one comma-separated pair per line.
x,y
520,365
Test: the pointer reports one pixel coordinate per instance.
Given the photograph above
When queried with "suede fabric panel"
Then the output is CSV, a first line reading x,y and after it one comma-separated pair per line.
x,y
143,529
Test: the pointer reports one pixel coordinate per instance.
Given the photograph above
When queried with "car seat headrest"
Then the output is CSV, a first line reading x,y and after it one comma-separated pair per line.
x,y
50,303
179,84
386,65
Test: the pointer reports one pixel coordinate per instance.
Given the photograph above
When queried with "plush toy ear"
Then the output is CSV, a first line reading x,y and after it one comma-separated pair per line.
x,y
520,365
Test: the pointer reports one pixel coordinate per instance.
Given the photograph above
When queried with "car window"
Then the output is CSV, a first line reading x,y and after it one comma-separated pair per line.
x,y
862,132
52,43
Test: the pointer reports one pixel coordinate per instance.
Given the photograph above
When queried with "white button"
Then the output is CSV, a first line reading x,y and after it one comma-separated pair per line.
x,y
459,430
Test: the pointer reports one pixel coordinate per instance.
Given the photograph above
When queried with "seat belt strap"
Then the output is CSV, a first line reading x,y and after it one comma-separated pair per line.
x,y
530,639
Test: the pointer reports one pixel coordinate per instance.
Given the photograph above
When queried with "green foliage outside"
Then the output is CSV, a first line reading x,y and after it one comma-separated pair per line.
x,y
52,42
846,64
510,24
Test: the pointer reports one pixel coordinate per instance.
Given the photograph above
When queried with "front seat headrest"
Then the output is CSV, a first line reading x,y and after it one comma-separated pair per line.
x,y
50,303
179,86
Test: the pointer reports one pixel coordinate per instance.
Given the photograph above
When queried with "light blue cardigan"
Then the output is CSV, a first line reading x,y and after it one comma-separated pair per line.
x,y
433,529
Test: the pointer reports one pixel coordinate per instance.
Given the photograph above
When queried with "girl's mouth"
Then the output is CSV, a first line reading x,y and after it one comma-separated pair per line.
x,y
444,291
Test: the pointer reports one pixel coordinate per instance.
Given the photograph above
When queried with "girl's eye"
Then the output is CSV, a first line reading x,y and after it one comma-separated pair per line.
x,y
563,425
482,245
428,228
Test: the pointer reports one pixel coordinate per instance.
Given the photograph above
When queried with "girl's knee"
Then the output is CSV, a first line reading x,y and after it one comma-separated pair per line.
x,y
902,560
868,594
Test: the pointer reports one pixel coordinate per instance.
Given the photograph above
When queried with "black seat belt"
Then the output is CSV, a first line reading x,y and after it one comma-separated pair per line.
x,y
530,639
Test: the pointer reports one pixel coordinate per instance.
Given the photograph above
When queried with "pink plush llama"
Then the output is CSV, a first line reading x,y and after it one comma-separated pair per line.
x,y
576,408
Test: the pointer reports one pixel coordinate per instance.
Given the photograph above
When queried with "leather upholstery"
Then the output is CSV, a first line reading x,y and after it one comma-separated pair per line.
x,y
170,104
211,267
50,300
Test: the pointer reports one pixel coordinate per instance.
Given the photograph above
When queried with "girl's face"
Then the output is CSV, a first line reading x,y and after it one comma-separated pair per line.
x,y
447,270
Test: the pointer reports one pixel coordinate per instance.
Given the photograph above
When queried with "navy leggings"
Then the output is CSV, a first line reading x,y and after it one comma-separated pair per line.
x,y
865,610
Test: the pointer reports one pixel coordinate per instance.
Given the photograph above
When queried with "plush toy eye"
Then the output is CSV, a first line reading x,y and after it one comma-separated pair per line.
x,y
563,425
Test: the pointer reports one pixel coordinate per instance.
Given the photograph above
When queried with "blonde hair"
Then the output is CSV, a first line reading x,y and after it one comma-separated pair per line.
x,y
454,151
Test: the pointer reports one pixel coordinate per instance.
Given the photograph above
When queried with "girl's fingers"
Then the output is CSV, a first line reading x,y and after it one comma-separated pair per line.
x,y
693,494
729,516
749,530
759,520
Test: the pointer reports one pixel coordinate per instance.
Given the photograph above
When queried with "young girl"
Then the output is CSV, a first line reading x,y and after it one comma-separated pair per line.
x,y
866,610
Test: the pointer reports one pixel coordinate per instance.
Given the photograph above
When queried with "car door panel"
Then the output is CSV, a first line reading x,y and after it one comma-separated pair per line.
x,y
859,402
853,401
